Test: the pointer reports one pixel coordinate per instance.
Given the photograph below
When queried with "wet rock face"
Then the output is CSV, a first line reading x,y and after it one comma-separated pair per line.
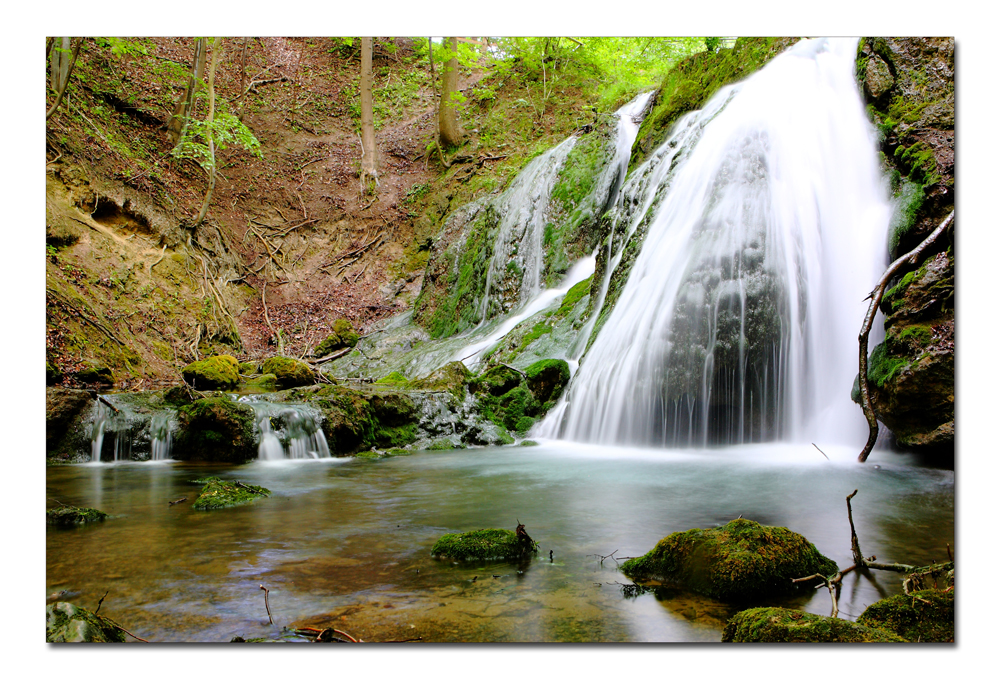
x,y
63,409
65,622
909,87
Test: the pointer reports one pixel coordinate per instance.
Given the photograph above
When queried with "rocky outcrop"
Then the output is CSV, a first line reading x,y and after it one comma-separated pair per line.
x,y
909,89
289,372
65,438
215,429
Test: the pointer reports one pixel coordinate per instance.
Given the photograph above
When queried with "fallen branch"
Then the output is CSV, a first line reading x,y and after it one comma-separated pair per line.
x,y
244,486
330,357
107,403
177,502
101,602
820,451
867,407
266,605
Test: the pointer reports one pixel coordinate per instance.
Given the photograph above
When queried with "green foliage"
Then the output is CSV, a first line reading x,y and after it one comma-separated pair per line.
x,y
225,130
574,295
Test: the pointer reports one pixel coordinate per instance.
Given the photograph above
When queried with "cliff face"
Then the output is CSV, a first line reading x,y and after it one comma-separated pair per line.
x,y
909,89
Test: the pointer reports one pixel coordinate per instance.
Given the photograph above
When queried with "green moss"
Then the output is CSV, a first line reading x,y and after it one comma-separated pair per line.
x,y
343,336
574,295
249,368
217,372
537,331
451,377
215,429
547,379
394,379
67,517
289,371
260,383
218,494
909,201
926,615
484,545
368,455
882,367
782,625
65,622
496,381
740,561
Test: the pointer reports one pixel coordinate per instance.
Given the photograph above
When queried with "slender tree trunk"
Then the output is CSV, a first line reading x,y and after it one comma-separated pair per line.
x,y
61,67
185,105
369,157
449,132
216,54
430,55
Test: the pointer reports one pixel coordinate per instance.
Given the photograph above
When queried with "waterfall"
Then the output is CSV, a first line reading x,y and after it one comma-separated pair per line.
x,y
159,429
764,222
298,436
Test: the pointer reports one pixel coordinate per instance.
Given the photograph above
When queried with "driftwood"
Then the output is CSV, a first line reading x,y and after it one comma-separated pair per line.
x,y
911,258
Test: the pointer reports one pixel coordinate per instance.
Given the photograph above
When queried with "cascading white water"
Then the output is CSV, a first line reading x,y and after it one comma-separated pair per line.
x,y
160,443
524,207
299,431
765,222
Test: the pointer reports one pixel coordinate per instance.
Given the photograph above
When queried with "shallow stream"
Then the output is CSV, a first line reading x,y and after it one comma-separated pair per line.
x,y
346,542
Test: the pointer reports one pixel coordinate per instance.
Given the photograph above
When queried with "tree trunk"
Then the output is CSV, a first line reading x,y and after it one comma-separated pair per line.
x,y
61,66
449,132
185,105
216,54
369,158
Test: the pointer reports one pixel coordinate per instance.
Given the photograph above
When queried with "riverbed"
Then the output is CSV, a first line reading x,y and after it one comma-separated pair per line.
x,y
346,542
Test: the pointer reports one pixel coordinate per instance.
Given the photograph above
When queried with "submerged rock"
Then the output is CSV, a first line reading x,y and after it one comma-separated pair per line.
x,y
218,494
67,517
769,625
217,372
740,561
487,544
65,622
926,615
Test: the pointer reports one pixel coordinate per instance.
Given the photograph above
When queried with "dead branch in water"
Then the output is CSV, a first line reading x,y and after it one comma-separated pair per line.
x,y
177,501
101,602
266,605
820,451
867,407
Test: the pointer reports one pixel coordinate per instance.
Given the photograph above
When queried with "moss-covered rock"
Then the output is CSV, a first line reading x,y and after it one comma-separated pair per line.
x,y
452,377
249,368
65,622
215,429
289,372
780,625
496,381
218,493
67,517
394,379
926,615
547,379
343,336
739,561
95,372
64,410
217,372
487,544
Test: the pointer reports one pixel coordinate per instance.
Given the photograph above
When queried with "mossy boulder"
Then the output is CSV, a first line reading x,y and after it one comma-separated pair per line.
x,y
260,383
289,372
65,622
394,379
68,517
777,625
488,544
217,430
496,381
739,561
64,409
218,494
217,372
926,615
547,378
343,336
249,368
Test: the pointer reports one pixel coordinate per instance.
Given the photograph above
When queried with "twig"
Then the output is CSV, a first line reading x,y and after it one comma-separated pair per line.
x,y
177,502
244,486
107,403
330,357
126,631
820,451
101,602
268,607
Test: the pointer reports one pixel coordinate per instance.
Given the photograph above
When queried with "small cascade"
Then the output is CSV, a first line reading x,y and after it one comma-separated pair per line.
x,y
160,435
288,431
114,422
751,234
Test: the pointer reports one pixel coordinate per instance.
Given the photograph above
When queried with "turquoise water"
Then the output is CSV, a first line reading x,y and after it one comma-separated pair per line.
x,y
346,542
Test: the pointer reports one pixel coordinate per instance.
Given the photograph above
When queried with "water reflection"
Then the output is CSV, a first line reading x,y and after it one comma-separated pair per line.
x,y
347,541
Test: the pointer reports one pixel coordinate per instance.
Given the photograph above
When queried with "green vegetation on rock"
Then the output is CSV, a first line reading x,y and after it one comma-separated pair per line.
x,y
289,372
487,544
67,517
215,429
343,336
782,625
218,494
217,372
739,561
547,379
926,615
